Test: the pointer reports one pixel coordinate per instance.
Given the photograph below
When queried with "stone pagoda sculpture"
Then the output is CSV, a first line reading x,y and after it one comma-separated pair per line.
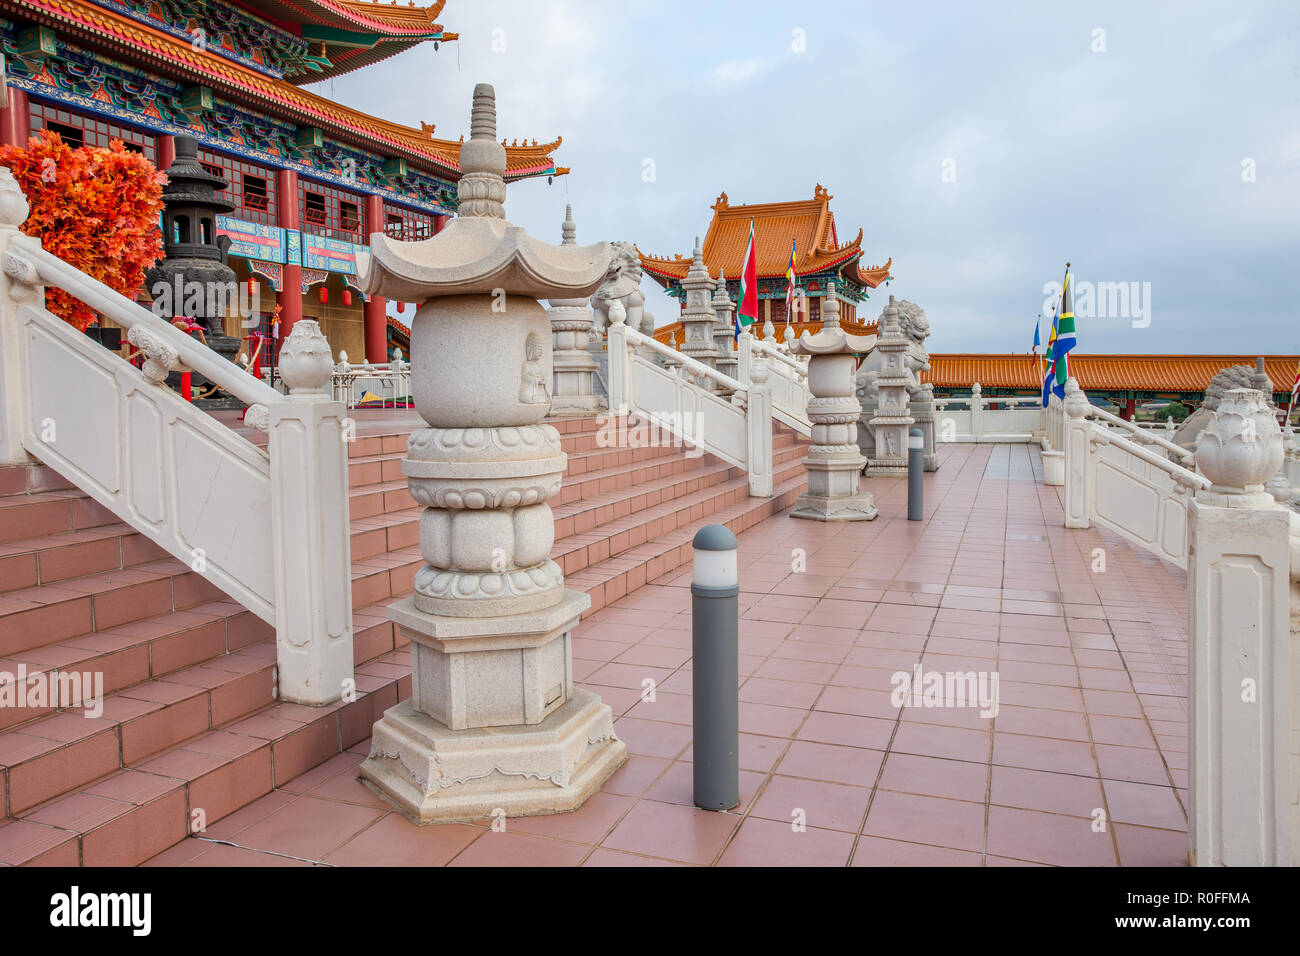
x,y
915,327
834,464
698,318
572,390
891,422
495,722
724,330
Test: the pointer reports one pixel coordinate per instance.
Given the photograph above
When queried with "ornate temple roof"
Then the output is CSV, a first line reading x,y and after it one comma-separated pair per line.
x,y
179,58
809,222
1142,373
354,33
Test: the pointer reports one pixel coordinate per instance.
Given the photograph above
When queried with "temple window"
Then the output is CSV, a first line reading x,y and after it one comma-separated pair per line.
x,y
314,209
349,217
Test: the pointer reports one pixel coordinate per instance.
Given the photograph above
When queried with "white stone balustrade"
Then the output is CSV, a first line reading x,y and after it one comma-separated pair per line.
x,y
1242,681
268,527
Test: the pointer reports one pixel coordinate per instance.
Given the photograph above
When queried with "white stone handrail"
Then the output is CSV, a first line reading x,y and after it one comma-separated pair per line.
x,y
788,379
781,358
737,429
1183,476
268,527
28,264
1020,419
1143,433
684,361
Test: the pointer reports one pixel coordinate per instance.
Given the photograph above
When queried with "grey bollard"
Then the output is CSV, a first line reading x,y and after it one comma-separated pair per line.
x,y
715,669
915,475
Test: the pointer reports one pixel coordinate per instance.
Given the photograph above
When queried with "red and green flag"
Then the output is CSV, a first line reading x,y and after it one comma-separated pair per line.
x,y
747,311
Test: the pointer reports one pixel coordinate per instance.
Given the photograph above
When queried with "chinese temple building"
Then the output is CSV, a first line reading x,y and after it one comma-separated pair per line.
x,y
310,179
819,258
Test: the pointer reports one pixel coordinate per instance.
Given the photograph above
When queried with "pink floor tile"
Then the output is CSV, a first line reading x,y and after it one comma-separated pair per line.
x,y
678,833
1048,838
770,843
874,851
396,841
509,848
930,820
831,806
835,764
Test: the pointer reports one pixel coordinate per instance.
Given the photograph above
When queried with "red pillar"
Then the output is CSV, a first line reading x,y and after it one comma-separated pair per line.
x,y
1129,410
290,298
166,151
440,223
15,119
375,310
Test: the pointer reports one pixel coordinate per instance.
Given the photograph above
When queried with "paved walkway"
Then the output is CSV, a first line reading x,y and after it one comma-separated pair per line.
x,y
1085,762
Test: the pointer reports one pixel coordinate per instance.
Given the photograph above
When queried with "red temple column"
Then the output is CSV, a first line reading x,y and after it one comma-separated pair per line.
x,y
1129,410
166,151
375,310
290,297
15,119
440,223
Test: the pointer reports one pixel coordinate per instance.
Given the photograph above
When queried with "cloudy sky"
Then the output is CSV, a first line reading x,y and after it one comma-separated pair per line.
x,y
981,145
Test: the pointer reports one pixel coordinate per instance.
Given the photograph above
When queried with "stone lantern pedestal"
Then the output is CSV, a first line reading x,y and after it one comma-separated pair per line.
x,y
494,721
834,463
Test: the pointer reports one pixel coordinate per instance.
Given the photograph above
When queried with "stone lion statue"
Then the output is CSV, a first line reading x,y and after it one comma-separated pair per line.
x,y
1234,376
622,282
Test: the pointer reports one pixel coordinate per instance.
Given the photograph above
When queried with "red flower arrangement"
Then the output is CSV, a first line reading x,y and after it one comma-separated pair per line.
x,y
95,208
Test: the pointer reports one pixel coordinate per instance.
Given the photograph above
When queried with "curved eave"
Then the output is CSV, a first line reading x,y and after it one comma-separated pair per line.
x,y
344,60
373,17
136,43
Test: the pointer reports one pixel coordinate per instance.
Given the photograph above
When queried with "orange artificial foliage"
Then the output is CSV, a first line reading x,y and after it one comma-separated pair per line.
x,y
95,208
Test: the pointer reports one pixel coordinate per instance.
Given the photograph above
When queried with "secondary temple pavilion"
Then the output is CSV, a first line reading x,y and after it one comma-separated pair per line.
x,y
820,259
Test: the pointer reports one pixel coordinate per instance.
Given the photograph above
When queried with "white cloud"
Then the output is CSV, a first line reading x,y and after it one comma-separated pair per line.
x,y
737,71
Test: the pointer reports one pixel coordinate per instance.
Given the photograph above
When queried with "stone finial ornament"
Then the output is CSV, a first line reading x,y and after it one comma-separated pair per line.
x,y
482,186
1241,447
13,204
305,363
569,229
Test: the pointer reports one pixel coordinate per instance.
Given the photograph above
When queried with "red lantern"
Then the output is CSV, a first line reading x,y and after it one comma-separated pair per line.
x,y
401,307
347,297
324,296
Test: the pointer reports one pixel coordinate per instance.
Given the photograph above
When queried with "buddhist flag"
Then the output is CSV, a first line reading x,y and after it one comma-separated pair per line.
x,y
747,313
1064,335
789,283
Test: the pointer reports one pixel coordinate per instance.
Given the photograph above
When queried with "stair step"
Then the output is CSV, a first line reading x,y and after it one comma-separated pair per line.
x,y
50,614
190,721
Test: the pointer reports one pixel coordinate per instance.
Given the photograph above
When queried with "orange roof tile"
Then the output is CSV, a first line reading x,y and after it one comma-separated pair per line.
x,y
133,41
1143,373
808,222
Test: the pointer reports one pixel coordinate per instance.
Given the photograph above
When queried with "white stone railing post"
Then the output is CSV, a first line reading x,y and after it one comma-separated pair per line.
x,y
616,338
976,410
13,397
310,540
758,425
1238,577
744,355
1077,444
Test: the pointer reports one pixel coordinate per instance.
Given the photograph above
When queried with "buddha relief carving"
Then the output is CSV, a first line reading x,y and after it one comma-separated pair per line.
x,y
532,384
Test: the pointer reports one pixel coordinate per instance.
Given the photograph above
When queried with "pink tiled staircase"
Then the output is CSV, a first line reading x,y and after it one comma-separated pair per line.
x,y
191,729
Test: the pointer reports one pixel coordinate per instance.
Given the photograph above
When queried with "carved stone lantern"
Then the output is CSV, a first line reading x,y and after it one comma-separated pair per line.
x,y
834,464
193,280
495,722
